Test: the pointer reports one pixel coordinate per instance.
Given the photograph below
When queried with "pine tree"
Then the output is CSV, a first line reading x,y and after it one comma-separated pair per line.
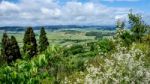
x,y
43,41
15,48
30,45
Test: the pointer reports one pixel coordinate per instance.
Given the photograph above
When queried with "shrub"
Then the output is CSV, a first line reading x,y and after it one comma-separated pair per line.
x,y
127,38
26,72
73,50
121,67
106,45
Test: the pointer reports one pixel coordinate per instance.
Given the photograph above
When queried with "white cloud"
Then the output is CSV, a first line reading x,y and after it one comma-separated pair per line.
x,y
50,12
6,6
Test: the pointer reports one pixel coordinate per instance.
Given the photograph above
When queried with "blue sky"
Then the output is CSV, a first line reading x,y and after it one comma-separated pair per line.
x,y
139,4
79,12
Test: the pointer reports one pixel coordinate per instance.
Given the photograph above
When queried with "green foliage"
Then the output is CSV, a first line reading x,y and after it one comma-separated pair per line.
x,y
77,49
137,26
120,67
30,45
73,50
2,59
127,38
10,49
106,45
77,62
146,38
5,44
15,48
43,41
99,34
93,49
26,72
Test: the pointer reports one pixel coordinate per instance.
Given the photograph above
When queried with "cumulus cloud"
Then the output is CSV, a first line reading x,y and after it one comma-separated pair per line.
x,y
50,12
6,6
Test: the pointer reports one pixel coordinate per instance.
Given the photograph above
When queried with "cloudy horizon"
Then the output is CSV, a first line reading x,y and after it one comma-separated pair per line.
x,y
69,12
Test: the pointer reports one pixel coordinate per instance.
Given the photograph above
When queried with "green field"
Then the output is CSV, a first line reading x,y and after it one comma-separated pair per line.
x,y
61,36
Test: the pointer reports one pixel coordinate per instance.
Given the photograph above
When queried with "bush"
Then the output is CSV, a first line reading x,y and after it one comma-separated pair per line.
x,y
127,38
73,50
106,45
121,67
26,72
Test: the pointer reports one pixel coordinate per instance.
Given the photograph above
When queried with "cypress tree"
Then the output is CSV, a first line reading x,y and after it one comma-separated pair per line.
x,y
5,40
30,45
10,49
15,48
43,41
6,48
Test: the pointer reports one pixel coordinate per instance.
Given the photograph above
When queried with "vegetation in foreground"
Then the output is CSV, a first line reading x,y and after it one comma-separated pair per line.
x,y
123,59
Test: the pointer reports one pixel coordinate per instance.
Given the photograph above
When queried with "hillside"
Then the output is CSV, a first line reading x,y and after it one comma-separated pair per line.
x,y
74,55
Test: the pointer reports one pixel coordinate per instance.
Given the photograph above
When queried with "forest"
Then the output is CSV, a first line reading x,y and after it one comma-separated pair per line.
x,y
119,57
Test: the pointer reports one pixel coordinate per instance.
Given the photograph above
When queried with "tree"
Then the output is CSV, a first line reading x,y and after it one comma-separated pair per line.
x,y
120,24
43,41
6,48
30,45
10,49
15,48
4,44
137,26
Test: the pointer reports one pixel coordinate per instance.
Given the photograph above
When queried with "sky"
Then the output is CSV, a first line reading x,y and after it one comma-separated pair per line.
x,y
70,12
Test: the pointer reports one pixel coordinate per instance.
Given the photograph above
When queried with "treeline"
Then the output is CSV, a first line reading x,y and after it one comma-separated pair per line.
x,y
10,50
99,34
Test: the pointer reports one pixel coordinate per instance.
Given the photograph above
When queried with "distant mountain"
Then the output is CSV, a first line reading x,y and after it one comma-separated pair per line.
x,y
56,27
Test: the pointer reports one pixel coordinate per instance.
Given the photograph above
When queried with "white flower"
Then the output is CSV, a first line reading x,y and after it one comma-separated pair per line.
x,y
120,66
